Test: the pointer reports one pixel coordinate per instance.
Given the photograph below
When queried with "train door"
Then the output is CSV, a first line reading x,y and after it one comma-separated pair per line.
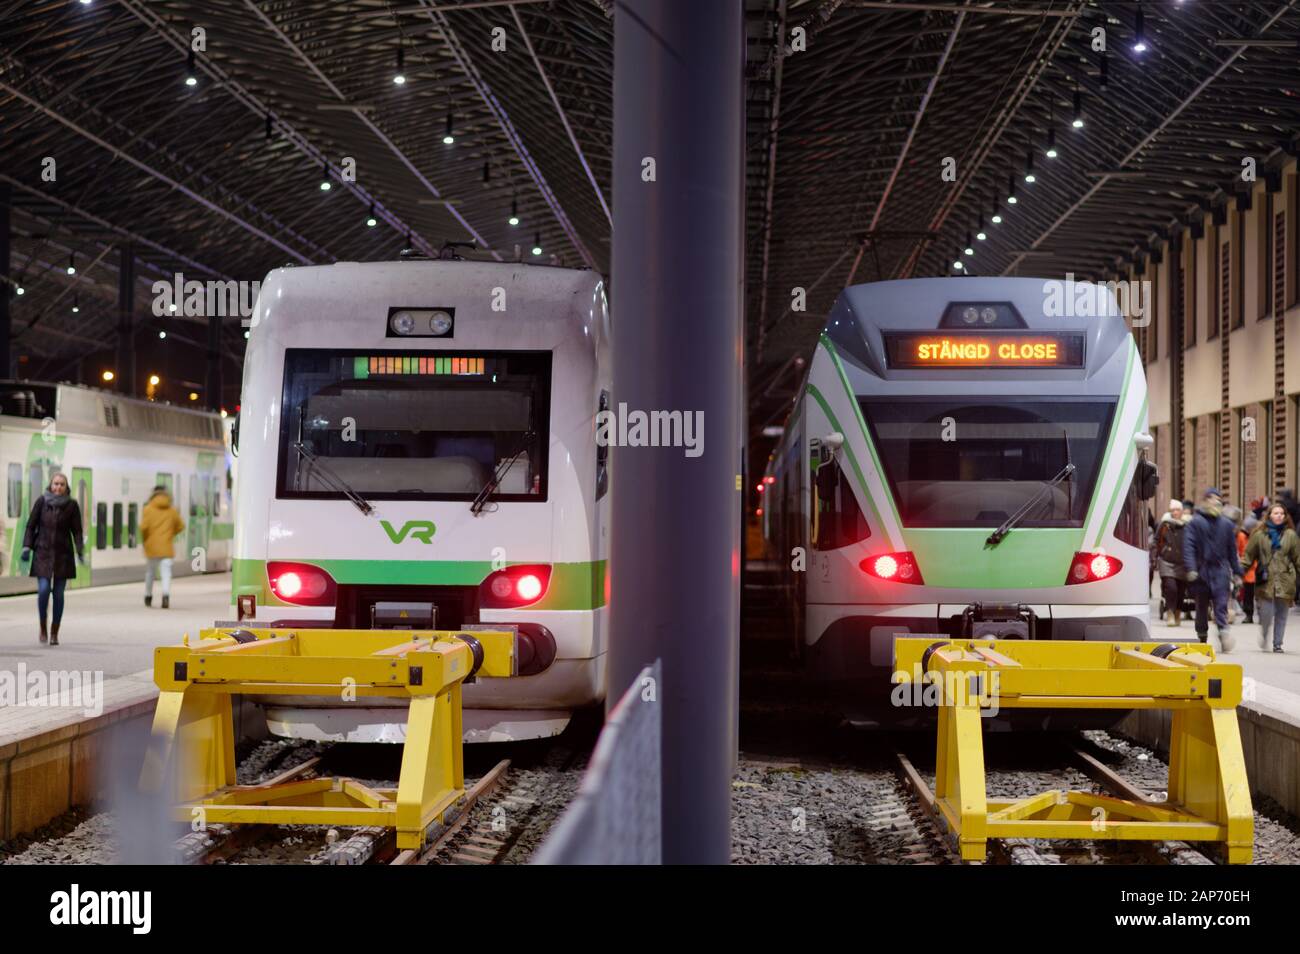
x,y
198,525
83,491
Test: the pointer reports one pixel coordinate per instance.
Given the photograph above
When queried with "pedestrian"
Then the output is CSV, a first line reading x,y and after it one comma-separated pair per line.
x,y
1210,555
1233,512
1275,548
158,527
1286,497
1248,573
1169,560
52,538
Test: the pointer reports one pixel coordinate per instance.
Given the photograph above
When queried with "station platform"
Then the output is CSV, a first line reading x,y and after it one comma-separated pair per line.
x,y
108,628
53,744
1269,714
1274,678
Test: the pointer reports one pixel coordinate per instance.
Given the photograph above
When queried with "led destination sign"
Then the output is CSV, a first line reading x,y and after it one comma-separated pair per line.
x,y
955,349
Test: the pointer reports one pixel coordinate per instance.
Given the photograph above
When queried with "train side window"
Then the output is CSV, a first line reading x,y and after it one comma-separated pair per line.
x,y
1132,526
117,526
602,453
133,525
15,490
101,526
839,519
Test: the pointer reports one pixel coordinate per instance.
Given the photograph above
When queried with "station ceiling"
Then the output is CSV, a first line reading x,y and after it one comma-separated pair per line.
x,y
846,142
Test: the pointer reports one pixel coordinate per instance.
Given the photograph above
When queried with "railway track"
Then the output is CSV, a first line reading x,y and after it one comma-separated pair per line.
x,y
1019,851
228,844
503,815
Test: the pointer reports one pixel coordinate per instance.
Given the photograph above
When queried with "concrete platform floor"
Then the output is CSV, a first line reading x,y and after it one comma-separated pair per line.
x,y
1276,676
108,629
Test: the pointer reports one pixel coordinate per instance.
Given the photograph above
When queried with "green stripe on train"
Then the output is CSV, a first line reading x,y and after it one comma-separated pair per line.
x,y
574,586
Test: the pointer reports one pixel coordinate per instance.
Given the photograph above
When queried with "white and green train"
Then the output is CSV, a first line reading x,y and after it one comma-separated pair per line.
x,y
114,451
417,446
960,461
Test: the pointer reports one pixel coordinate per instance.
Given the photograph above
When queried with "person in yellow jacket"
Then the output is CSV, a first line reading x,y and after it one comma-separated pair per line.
x,y
158,527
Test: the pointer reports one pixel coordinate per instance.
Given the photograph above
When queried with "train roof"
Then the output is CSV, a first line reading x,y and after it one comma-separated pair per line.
x,y
343,303
879,328
370,281
85,410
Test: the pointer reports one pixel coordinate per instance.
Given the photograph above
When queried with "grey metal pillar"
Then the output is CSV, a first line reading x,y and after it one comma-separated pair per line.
x,y
125,320
676,305
214,363
6,288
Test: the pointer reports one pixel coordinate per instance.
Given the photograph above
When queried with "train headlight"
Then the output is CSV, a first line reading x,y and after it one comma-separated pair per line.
x,y
970,315
401,322
988,315
439,323
405,322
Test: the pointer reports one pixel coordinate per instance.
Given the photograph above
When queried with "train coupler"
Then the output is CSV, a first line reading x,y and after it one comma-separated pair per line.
x,y
1208,791
191,755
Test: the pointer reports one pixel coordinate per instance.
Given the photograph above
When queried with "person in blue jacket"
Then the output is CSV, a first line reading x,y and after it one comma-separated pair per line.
x,y
1210,555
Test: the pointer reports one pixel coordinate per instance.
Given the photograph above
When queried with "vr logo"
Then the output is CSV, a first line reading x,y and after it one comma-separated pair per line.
x,y
421,530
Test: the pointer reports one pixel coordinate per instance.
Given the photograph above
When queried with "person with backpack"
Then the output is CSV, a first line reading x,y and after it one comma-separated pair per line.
x,y
1248,573
1275,549
1210,555
1169,561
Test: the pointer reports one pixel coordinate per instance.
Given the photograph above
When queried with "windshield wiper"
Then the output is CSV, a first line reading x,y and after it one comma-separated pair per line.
x,y
997,535
484,495
334,480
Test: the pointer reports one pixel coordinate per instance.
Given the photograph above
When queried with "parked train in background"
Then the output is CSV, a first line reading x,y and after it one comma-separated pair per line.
x,y
114,451
959,462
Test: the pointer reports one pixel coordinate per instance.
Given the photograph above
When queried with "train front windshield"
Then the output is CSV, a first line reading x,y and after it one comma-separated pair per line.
x,y
973,462
433,426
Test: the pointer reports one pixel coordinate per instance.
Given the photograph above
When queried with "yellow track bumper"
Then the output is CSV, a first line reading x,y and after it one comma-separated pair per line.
x,y
1209,796
191,755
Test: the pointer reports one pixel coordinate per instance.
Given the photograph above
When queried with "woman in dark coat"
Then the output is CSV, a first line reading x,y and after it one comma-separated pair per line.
x,y
53,534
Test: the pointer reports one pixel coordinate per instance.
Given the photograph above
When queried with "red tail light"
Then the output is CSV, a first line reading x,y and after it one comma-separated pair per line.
x,y
893,567
514,586
300,583
1091,567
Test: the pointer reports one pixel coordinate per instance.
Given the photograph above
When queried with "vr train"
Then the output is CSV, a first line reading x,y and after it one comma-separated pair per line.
x,y
417,448
114,451
960,462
